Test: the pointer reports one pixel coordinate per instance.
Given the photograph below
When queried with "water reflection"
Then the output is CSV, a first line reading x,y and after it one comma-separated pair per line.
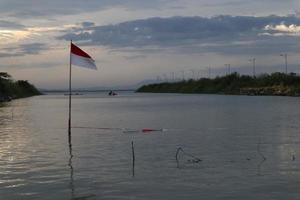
x,y
71,168
72,183
16,149
33,166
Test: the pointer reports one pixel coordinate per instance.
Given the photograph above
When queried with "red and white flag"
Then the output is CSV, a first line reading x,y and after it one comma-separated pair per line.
x,y
81,58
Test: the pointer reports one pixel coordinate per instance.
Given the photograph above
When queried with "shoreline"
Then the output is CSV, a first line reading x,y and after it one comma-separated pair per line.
x,y
4,99
276,84
226,94
14,89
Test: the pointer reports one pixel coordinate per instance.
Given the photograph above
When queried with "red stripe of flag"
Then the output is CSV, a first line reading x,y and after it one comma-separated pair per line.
x,y
77,51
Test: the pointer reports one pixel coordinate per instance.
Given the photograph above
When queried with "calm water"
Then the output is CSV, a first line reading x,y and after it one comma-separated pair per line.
x,y
230,134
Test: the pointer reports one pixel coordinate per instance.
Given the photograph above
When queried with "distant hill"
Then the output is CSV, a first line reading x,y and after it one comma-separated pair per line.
x,y
10,89
265,84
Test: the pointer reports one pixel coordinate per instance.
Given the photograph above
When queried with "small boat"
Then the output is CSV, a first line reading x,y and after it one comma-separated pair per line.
x,y
112,93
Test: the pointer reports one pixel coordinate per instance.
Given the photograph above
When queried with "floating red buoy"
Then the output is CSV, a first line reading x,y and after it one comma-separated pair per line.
x,y
147,129
150,130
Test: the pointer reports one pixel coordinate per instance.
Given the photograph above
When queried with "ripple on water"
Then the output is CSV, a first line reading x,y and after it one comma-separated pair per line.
x,y
35,161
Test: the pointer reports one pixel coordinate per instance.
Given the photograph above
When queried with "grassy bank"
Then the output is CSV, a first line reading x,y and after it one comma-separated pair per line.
x,y
266,84
11,89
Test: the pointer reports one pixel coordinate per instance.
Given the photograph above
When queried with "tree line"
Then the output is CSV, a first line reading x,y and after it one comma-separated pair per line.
x,y
234,83
11,89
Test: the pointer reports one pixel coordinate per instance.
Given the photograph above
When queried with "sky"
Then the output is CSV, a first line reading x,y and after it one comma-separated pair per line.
x,y
133,41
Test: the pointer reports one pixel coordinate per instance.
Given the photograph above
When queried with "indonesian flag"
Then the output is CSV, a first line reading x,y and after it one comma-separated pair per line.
x,y
81,58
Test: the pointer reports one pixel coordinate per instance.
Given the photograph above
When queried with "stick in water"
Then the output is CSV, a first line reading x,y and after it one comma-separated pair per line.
x,y
133,158
193,160
176,156
258,150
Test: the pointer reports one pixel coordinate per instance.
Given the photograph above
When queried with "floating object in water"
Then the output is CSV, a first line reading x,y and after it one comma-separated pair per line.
x,y
293,157
112,93
124,130
193,159
144,130
83,197
129,131
74,93
151,130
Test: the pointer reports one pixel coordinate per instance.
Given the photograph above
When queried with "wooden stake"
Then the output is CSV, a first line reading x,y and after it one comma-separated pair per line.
x,y
133,159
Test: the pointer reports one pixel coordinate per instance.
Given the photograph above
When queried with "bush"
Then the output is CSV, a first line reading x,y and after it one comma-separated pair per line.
x,y
15,89
230,84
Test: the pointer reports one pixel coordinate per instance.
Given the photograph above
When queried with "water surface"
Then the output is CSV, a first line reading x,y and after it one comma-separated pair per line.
x,y
230,134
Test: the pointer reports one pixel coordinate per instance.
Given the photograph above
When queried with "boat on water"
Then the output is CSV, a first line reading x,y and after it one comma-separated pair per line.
x,y
112,93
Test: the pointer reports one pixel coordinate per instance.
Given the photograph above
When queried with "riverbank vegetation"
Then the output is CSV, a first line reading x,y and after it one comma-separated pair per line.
x,y
280,84
11,89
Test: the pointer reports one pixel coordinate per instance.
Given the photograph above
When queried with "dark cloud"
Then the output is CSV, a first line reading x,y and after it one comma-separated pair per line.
x,y
33,48
222,3
33,8
87,24
221,34
23,49
10,25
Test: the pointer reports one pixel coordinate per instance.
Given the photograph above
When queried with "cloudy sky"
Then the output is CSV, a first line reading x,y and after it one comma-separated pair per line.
x,y
137,40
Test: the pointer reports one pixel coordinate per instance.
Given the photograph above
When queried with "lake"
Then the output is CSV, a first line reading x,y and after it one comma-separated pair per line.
x,y
228,147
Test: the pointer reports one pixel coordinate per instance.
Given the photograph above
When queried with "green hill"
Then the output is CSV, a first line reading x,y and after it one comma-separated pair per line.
x,y
10,89
266,84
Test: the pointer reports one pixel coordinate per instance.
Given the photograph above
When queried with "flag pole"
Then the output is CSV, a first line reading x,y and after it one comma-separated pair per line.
x,y
70,95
